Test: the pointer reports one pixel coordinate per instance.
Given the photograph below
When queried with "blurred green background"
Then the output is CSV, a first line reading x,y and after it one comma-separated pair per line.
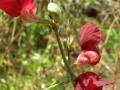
x,y
29,55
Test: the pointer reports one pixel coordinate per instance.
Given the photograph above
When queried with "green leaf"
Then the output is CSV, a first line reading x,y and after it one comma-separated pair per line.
x,y
56,86
88,2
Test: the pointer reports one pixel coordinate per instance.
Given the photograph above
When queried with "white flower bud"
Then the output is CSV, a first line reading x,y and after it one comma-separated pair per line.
x,y
54,8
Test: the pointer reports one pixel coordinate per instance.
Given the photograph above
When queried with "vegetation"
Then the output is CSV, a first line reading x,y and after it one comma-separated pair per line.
x,y
30,58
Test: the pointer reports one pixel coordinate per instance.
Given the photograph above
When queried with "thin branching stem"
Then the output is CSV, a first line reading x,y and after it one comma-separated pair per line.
x,y
68,68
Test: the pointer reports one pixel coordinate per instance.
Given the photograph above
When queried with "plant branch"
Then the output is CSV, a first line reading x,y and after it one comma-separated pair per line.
x,y
13,31
68,68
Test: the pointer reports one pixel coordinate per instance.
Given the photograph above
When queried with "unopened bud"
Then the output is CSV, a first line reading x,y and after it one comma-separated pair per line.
x,y
54,8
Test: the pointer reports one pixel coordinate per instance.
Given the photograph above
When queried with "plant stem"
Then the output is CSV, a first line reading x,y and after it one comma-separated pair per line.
x,y
13,31
68,69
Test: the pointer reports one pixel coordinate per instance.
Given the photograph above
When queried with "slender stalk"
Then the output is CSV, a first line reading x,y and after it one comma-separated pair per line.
x,y
68,69
13,31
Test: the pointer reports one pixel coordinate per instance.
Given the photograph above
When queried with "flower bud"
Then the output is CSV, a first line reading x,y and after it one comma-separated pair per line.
x,y
54,8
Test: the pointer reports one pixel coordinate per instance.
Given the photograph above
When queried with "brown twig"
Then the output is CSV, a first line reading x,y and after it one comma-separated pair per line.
x,y
108,32
104,45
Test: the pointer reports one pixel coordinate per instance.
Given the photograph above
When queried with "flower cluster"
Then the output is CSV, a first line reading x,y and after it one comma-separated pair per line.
x,y
89,40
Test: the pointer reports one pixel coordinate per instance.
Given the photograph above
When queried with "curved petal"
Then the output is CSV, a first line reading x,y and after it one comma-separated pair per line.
x,y
89,81
89,36
87,57
11,7
16,7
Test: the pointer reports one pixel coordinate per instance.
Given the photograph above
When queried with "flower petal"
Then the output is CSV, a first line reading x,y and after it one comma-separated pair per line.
x,y
87,57
16,7
89,81
89,36
11,7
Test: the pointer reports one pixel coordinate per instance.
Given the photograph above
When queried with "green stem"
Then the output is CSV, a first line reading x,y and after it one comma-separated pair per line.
x,y
68,69
14,28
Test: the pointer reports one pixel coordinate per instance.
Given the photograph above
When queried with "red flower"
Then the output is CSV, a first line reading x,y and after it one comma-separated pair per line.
x,y
89,81
23,8
89,40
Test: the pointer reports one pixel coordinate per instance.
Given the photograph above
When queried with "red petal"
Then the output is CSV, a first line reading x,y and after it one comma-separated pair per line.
x,y
11,7
89,81
78,87
14,7
29,7
89,36
81,59
87,57
28,12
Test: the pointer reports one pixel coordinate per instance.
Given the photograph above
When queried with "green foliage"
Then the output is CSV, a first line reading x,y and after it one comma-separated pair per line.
x,y
56,86
88,2
112,42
